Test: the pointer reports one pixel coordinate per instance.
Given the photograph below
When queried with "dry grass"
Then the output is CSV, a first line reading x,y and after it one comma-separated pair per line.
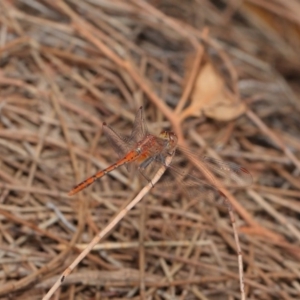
x,y
224,77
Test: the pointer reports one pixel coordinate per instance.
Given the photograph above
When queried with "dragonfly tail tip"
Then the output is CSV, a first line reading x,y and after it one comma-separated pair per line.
x,y
71,193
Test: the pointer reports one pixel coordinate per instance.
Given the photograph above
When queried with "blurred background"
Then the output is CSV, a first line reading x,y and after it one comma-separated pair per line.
x,y
224,75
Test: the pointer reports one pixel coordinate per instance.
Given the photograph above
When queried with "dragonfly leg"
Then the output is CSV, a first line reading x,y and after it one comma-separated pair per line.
x,y
141,172
143,166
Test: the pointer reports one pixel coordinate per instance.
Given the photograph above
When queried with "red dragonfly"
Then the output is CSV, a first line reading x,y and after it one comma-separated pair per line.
x,y
147,152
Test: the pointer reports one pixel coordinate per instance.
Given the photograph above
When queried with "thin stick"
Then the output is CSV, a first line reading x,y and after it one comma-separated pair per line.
x,y
115,220
238,249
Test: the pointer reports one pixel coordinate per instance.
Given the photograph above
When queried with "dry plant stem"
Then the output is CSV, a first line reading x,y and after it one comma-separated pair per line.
x,y
191,80
7,288
245,215
170,22
142,263
115,220
191,34
90,33
274,137
285,8
239,251
54,96
87,30
271,262
234,203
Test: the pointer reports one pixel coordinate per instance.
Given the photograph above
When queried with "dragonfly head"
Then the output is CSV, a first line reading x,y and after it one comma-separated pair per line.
x,y
170,137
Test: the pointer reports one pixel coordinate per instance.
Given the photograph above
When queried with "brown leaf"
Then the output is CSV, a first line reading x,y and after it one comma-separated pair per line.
x,y
211,98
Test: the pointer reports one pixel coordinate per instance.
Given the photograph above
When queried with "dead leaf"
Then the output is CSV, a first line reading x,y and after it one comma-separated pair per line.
x,y
211,98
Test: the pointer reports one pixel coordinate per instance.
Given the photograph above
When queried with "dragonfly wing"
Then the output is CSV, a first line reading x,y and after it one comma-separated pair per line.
x,y
226,172
233,171
119,145
195,186
123,145
176,183
139,130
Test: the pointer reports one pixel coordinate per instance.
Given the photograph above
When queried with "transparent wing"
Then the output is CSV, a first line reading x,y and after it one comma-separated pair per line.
x,y
184,177
122,145
177,183
229,170
139,130
119,144
226,172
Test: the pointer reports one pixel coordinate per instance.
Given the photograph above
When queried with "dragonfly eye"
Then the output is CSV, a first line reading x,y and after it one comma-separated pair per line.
x,y
164,134
169,136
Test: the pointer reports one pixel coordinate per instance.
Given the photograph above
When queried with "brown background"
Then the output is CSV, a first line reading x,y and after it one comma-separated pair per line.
x,y
223,74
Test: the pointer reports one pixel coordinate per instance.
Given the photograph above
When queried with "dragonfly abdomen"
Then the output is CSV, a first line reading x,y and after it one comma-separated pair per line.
x,y
131,156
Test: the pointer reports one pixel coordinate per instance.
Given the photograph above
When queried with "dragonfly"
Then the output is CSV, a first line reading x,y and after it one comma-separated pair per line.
x,y
146,152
